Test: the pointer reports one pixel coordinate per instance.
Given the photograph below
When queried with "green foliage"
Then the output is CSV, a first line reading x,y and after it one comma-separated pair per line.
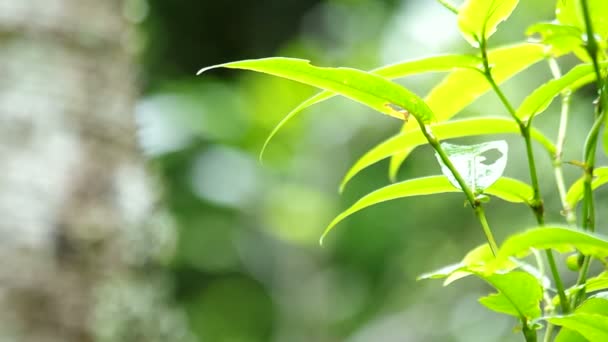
x,y
588,321
562,239
478,20
477,170
542,96
508,189
575,193
397,70
409,140
462,87
519,294
372,90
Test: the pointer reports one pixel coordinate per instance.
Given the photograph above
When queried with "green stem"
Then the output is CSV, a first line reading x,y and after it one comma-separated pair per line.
x,y
548,332
592,50
537,202
590,149
529,332
449,6
588,211
559,147
475,204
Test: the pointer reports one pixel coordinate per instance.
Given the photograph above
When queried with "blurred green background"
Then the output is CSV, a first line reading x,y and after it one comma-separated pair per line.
x,y
247,266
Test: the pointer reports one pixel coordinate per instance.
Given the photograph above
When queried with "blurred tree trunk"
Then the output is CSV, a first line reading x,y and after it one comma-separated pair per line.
x,y
76,220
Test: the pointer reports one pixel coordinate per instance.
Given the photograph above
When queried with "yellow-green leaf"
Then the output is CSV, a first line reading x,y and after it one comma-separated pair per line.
x,y
593,327
575,193
393,71
507,189
562,239
411,139
369,89
519,294
478,19
461,87
541,97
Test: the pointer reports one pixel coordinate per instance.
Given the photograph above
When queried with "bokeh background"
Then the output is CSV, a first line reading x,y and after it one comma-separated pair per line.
x,y
223,248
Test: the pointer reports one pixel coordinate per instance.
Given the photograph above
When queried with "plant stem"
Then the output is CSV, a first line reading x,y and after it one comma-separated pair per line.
x,y
529,333
537,202
588,211
592,50
449,6
548,332
590,149
475,204
559,147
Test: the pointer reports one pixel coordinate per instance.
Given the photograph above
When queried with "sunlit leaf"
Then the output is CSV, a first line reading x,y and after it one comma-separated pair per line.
x,y
519,294
570,12
474,261
478,19
507,189
480,165
575,193
597,283
597,304
593,327
567,335
443,272
461,87
479,255
561,38
397,70
372,90
542,96
559,238
409,140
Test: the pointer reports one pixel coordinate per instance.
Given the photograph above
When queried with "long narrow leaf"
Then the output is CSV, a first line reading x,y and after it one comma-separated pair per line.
x,y
559,238
575,193
371,90
542,96
461,87
508,189
397,70
444,130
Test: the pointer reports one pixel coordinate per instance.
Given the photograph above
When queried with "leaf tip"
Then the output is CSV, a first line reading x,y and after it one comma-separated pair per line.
x,y
208,68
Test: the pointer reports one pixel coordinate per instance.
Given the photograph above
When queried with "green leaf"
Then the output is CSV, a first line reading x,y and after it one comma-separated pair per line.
x,y
519,294
593,327
560,238
474,261
461,87
597,283
397,70
561,38
569,12
409,140
478,19
372,90
597,304
567,335
507,189
575,193
605,139
443,272
542,96
480,165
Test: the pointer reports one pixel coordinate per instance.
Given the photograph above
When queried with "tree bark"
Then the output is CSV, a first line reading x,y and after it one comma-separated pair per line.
x,y
78,223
